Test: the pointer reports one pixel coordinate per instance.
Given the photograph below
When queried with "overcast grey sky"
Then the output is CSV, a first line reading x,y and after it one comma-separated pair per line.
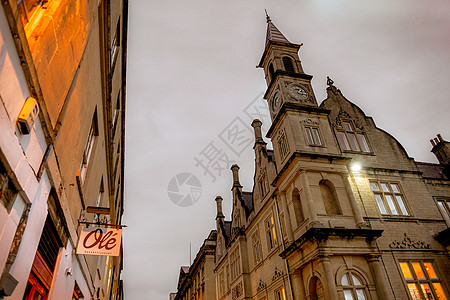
x,y
192,76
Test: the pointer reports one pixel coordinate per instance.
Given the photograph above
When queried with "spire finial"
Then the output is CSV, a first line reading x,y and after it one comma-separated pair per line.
x,y
267,16
329,81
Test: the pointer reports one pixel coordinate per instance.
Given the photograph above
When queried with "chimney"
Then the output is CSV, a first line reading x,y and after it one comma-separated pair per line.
x,y
441,148
219,208
235,169
256,124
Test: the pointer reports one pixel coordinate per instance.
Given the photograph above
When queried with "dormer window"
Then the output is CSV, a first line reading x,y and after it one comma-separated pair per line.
x,y
288,65
352,140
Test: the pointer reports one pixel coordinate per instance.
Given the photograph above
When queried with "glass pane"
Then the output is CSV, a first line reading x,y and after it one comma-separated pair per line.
x,y
348,295
353,143
429,269
363,143
384,187
380,203
374,186
356,281
360,294
439,291
395,188
402,206
418,270
343,141
347,126
391,204
405,270
316,136
444,211
345,280
413,291
309,137
427,291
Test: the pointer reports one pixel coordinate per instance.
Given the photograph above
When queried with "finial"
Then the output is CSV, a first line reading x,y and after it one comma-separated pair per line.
x,y
267,16
330,81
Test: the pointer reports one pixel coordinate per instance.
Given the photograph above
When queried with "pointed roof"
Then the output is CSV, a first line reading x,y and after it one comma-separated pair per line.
x,y
273,34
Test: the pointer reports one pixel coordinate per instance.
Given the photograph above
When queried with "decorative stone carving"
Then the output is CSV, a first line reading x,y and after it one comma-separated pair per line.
x,y
261,285
237,291
407,243
310,122
277,274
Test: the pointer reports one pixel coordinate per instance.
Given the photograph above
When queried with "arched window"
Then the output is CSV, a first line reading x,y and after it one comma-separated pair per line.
x,y
329,198
353,287
288,66
271,71
298,209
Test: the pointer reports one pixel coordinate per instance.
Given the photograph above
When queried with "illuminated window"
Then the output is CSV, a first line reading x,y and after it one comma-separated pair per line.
x,y
389,198
422,280
312,136
28,8
235,264
257,250
279,294
353,287
270,232
93,132
351,140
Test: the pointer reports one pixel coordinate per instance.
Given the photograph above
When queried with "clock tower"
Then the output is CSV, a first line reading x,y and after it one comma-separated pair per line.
x,y
299,125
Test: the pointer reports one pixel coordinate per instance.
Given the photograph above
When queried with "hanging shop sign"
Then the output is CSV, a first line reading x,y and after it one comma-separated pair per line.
x,y
100,241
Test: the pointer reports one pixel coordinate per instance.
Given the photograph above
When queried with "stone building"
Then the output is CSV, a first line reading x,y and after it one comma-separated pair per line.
x,y
338,209
198,281
62,92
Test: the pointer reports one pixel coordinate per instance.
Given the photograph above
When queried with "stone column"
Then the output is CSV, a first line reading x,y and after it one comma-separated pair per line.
x,y
377,273
287,217
297,285
308,196
329,285
354,205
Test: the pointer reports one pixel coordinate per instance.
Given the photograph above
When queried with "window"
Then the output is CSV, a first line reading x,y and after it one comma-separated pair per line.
x,y
257,250
271,71
115,43
283,226
228,277
93,132
8,191
389,198
221,284
353,287
288,66
270,231
264,184
422,281
115,113
350,140
27,8
444,207
283,145
312,136
235,264
329,198
279,294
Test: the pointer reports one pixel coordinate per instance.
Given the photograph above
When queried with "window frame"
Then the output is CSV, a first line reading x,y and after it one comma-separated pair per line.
x,y
311,139
89,147
359,139
280,293
443,204
271,235
387,205
419,282
283,145
352,286
235,264
257,247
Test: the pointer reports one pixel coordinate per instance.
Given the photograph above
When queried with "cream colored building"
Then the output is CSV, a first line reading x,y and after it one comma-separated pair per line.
x,y
338,209
62,106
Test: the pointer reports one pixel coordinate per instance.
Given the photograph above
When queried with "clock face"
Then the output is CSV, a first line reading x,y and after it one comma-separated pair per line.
x,y
276,102
297,92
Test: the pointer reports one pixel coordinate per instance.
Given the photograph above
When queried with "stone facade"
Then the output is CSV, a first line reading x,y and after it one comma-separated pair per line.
x,y
338,208
66,60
